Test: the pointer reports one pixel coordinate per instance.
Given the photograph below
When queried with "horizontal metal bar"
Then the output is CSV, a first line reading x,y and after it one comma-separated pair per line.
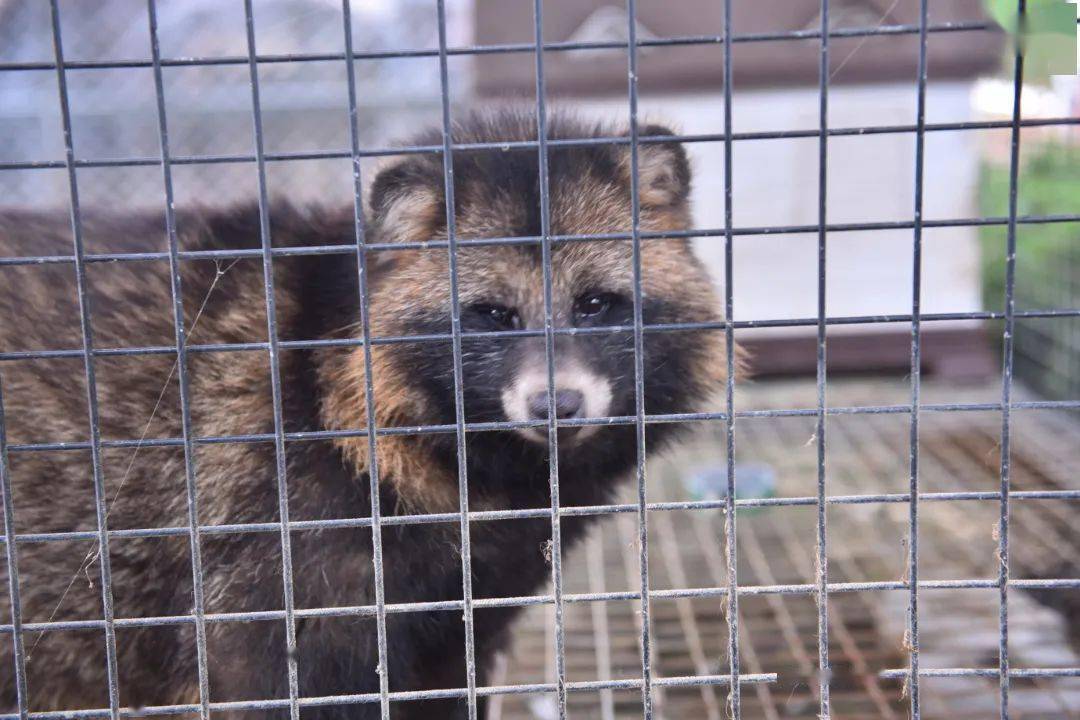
x,y
571,422
399,696
543,512
532,600
532,240
499,49
232,158
509,334
985,672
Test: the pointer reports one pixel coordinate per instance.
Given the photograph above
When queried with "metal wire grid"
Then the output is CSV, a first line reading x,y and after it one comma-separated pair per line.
x,y
822,560
549,357
958,451
199,606
916,374
1006,389
820,589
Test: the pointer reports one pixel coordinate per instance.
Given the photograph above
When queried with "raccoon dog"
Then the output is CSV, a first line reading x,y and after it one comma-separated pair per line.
x,y
504,378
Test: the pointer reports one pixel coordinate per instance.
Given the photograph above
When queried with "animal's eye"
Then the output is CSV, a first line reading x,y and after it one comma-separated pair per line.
x,y
594,305
498,315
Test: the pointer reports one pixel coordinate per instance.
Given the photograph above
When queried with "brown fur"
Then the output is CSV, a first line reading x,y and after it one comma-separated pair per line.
x,y
129,305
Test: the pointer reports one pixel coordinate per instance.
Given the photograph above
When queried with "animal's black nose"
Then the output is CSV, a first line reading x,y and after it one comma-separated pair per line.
x,y
567,404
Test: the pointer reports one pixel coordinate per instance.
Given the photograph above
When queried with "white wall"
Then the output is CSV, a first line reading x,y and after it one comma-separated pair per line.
x,y
871,178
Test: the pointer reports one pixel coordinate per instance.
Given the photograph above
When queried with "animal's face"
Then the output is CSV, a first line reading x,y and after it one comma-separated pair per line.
x,y
501,288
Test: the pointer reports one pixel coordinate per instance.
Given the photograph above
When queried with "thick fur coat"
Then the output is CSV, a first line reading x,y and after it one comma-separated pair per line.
x,y
317,297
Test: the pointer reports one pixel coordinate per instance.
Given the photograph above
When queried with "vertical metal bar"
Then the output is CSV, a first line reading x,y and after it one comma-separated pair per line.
x,y
275,372
734,688
459,397
798,552
627,527
100,503
916,376
716,562
822,568
639,367
369,382
182,370
549,354
21,693
1007,372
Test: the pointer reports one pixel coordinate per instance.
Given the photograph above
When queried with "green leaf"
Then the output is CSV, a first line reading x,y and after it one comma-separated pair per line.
x,y
1003,12
1048,39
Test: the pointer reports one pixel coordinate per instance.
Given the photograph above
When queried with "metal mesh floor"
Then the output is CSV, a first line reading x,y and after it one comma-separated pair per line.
x,y
866,543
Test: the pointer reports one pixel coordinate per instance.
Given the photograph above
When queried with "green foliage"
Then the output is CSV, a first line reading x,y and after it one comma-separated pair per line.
x,y
1048,254
1047,35
1046,351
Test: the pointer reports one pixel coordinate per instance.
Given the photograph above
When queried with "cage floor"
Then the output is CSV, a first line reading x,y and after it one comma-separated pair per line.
x,y
866,454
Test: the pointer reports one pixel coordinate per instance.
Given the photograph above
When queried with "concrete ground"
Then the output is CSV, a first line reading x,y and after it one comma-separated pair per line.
x,y
866,543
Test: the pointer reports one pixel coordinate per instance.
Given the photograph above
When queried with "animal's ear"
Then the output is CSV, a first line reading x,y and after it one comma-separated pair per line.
x,y
406,200
663,169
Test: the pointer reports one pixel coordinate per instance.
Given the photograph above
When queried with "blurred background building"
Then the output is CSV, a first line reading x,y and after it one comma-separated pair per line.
x,y
775,179
775,92
304,103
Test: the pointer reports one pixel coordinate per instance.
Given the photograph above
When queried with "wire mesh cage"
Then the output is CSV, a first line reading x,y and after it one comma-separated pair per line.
x,y
893,552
